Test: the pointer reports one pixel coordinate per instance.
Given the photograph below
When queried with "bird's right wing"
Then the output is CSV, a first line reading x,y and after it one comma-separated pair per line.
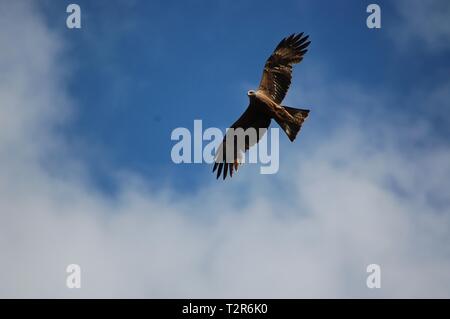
x,y
277,72
252,118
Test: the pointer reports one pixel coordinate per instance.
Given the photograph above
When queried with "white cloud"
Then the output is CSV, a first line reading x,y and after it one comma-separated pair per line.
x,y
423,22
348,203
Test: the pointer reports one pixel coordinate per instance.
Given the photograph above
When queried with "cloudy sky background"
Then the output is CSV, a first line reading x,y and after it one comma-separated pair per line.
x,y
86,175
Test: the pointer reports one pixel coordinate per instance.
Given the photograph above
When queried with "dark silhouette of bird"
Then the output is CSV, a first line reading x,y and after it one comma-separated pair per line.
x,y
265,105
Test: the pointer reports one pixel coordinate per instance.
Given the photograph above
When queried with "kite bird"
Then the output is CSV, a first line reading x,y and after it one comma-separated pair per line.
x,y
265,104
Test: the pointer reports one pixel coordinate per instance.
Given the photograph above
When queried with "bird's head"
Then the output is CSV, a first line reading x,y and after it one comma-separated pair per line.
x,y
251,93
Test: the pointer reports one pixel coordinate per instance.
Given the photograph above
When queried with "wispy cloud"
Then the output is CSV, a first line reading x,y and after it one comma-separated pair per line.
x,y
423,22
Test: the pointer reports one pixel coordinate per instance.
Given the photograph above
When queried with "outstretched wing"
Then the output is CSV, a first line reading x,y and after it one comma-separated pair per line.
x,y
251,118
277,73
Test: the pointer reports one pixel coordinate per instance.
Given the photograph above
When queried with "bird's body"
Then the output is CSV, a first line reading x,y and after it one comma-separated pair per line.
x,y
265,104
269,107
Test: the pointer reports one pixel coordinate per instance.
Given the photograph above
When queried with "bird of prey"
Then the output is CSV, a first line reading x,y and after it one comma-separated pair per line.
x,y
265,104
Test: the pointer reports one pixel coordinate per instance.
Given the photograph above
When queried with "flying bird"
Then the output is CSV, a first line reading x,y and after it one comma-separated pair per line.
x,y
265,104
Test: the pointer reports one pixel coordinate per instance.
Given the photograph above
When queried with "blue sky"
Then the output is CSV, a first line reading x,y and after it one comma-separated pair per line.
x,y
86,175
137,70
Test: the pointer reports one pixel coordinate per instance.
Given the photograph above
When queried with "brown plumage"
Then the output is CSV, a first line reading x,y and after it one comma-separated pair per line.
x,y
265,104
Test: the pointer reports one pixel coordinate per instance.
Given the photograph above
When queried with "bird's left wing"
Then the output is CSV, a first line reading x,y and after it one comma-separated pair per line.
x,y
251,118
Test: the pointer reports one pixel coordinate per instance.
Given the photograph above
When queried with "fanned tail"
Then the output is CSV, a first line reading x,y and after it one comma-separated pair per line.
x,y
291,128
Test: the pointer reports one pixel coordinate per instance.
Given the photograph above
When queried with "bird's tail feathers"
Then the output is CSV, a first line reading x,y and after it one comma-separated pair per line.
x,y
291,128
